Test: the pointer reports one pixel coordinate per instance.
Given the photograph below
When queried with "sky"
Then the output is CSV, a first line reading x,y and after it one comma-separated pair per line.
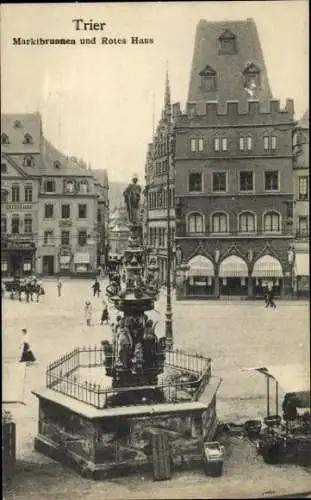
x,y
102,102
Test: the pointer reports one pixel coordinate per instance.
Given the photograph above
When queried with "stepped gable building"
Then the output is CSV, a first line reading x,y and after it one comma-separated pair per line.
x,y
301,207
158,191
233,162
20,166
67,214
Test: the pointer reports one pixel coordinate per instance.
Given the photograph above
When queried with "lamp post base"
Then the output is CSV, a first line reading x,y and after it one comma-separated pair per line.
x,y
169,329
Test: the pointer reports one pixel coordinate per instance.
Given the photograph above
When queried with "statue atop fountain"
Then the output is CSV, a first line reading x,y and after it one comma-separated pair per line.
x,y
136,357
132,199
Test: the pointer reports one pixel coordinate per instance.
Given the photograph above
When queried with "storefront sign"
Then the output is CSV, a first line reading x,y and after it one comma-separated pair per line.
x,y
64,259
81,258
20,245
18,206
81,268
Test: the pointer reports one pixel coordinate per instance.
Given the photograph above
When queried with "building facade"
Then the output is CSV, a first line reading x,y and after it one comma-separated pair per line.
x,y
160,190
68,216
118,232
20,163
53,211
233,163
102,189
301,207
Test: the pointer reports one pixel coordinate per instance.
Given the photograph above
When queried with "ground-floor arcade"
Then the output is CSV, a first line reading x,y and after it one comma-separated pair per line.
x,y
234,273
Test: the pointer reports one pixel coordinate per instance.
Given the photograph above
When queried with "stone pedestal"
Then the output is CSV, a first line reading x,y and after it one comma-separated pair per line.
x,y
101,443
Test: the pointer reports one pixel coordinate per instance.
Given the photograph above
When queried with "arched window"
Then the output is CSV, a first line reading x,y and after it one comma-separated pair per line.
x,y
49,186
28,193
247,222
28,224
5,138
15,224
220,223
69,186
56,164
3,224
271,222
15,193
195,223
4,195
28,139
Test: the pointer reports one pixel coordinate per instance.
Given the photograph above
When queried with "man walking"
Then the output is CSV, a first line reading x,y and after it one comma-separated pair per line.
x,y
59,287
96,288
270,298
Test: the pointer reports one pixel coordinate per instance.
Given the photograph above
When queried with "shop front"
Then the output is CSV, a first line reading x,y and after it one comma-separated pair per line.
x,y
200,278
64,263
267,272
302,275
17,258
233,277
81,262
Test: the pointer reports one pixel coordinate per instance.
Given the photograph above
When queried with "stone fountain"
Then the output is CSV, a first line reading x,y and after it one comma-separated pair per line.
x,y
155,407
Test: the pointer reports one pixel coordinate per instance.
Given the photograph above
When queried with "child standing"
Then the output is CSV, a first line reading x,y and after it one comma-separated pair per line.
x,y
88,313
59,287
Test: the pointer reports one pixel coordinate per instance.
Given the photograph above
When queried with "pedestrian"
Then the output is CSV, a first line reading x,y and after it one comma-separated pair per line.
x,y
271,302
105,315
96,288
59,287
27,356
88,313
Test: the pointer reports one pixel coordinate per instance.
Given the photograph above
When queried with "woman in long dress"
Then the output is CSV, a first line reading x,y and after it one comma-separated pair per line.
x,y
27,356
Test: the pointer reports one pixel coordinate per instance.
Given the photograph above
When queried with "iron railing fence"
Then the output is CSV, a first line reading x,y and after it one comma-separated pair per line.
x,y
61,377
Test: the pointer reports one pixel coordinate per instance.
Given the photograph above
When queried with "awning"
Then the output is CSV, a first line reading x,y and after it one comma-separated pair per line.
x,y
82,258
291,378
267,267
233,267
64,259
302,264
200,266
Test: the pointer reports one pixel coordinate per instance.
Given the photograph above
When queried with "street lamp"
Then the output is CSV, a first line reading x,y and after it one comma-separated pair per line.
x,y
168,314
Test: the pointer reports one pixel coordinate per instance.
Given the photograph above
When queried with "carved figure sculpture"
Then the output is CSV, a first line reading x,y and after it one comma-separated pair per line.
x,y
132,198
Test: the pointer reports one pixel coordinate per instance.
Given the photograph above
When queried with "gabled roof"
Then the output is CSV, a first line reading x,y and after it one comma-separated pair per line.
x,y
304,122
207,71
228,67
16,169
251,68
227,35
27,123
101,176
66,166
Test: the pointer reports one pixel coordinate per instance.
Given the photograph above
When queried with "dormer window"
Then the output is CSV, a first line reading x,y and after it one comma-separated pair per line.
x,y
251,77
27,139
83,186
28,161
227,43
208,79
69,186
17,124
56,164
5,138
